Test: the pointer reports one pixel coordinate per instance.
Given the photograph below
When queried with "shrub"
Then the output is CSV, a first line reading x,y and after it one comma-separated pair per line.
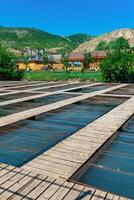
x,y
119,43
102,45
65,60
8,67
118,66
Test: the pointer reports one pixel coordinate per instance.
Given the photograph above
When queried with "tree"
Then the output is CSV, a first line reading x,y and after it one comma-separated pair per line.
x,y
8,67
102,45
118,66
88,59
65,60
46,59
26,61
119,43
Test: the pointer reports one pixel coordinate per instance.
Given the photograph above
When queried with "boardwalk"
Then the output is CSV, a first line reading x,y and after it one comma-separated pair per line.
x,y
46,176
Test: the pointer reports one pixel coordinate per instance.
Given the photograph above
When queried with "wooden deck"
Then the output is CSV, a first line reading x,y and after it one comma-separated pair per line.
x,y
17,184
45,177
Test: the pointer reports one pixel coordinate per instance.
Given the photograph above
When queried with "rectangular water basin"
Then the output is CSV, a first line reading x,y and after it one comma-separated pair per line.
x,y
90,89
33,103
22,141
4,91
52,89
112,168
16,96
26,87
127,90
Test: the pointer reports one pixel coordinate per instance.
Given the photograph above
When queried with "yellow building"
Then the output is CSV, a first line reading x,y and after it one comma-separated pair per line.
x,y
76,62
33,65
38,66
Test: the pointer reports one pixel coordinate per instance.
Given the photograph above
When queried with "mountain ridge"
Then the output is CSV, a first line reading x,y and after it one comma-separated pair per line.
x,y
20,38
127,33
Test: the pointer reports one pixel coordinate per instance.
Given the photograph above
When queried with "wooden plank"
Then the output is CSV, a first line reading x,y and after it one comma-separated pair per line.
x,y
74,192
54,86
60,166
34,194
29,85
109,196
86,194
23,192
46,166
13,183
41,171
56,160
116,197
80,85
49,192
99,195
116,95
63,190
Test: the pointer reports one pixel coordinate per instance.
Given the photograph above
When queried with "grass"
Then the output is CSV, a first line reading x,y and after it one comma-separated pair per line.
x,y
62,76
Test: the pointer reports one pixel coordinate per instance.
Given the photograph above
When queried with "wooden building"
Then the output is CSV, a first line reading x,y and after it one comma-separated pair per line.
x,y
78,57
76,62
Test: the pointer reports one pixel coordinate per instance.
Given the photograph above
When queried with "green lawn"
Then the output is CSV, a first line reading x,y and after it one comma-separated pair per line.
x,y
62,75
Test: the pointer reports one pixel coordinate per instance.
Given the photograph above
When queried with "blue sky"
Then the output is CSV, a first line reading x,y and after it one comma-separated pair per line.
x,y
65,17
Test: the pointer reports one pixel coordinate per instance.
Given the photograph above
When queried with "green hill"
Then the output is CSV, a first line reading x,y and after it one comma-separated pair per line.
x,y
80,38
20,38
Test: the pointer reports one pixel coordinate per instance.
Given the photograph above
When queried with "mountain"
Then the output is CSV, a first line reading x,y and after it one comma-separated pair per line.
x,y
80,38
20,38
90,45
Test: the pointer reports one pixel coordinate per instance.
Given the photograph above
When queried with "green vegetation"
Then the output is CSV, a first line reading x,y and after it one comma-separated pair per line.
x,y
26,60
80,38
8,68
45,59
65,60
20,38
120,43
118,66
88,60
101,46
62,76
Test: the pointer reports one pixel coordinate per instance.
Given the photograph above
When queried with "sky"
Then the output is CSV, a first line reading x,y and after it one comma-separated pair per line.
x,y
66,17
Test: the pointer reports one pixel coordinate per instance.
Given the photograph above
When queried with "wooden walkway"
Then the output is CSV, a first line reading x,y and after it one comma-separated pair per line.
x,y
17,184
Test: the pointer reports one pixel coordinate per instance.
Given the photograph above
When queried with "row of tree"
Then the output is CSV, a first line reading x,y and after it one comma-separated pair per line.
x,y
118,66
119,43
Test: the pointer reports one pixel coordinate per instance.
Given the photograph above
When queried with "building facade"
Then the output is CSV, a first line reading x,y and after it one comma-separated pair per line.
x,y
76,62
